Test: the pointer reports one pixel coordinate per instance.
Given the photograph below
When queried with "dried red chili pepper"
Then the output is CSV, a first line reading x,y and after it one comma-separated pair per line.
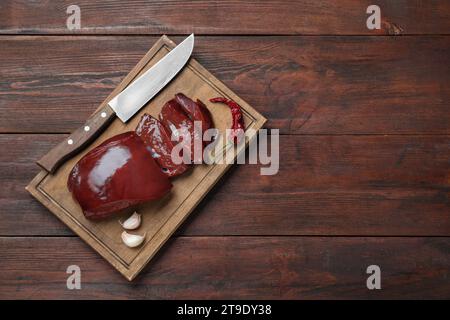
x,y
236,113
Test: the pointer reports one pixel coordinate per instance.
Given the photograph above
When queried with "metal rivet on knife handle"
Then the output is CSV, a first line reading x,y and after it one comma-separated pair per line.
x,y
77,140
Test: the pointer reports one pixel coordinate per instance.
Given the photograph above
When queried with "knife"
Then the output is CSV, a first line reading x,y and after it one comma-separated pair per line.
x,y
124,105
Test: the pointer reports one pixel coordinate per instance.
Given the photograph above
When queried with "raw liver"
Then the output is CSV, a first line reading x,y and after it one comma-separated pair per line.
x,y
183,113
196,111
178,123
117,174
158,140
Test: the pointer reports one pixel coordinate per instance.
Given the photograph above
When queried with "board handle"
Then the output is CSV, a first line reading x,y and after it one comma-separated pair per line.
x,y
77,140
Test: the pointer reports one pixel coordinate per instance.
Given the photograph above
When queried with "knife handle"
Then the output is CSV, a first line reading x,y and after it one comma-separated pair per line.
x,y
77,140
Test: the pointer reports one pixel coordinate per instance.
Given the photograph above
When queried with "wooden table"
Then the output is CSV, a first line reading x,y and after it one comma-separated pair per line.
x,y
365,149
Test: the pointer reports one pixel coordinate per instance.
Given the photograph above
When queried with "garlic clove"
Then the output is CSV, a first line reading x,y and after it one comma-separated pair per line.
x,y
133,222
132,240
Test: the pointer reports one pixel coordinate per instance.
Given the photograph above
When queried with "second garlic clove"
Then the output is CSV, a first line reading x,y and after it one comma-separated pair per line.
x,y
133,222
132,240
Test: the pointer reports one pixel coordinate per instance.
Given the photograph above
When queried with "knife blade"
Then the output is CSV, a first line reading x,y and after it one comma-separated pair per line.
x,y
130,100
126,104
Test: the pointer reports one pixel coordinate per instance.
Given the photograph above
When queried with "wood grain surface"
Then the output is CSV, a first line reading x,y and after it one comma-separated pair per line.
x,y
303,85
335,185
225,17
233,268
364,176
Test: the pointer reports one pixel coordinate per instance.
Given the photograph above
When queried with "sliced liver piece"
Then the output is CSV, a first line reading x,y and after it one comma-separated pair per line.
x,y
179,124
158,141
196,111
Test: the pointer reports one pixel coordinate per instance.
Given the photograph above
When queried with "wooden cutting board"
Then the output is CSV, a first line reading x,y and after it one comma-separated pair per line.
x,y
160,218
